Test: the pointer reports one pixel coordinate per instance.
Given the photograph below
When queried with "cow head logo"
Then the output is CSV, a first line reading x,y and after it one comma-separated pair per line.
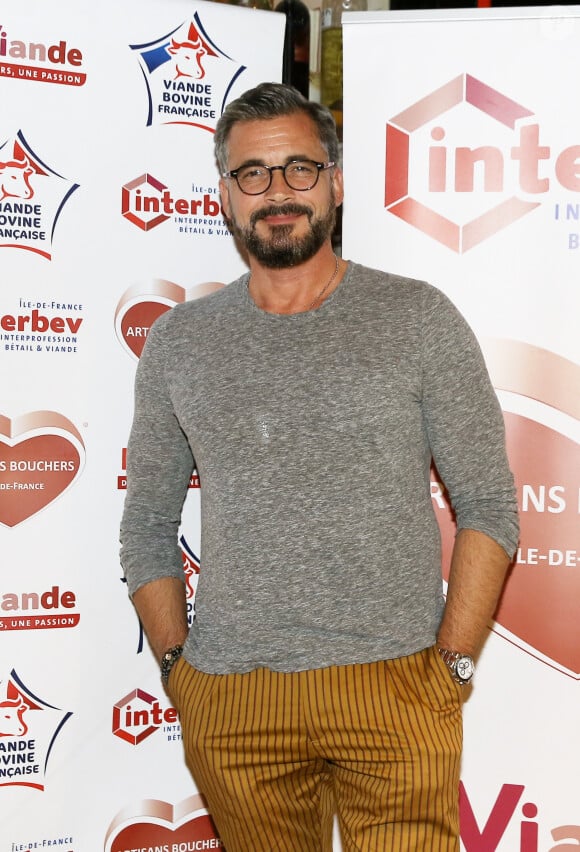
x,y
191,568
35,723
11,721
188,77
14,179
188,55
23,177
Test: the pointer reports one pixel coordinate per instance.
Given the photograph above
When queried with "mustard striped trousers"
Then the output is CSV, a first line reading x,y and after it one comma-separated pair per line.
x,y
277,754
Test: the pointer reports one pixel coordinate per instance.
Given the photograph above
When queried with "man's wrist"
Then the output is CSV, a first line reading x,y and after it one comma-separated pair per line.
x,y
168,660
460,665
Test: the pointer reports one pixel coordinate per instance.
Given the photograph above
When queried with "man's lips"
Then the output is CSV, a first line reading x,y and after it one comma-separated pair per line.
x,y
282,219
283,215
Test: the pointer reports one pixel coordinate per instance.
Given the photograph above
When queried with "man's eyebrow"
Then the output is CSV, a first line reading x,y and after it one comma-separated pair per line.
x,y
251,162
260,162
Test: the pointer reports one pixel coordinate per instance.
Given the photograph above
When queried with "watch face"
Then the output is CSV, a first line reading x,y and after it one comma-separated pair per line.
x,y
464,668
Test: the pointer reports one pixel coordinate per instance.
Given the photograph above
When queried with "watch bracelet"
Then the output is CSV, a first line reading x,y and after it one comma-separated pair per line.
x,y
168,660
450,659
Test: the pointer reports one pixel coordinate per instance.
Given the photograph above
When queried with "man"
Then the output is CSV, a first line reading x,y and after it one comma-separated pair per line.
x,y
323,670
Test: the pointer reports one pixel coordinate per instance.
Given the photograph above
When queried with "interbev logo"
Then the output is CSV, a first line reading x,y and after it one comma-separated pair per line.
x,y
146,202
139,714
459,194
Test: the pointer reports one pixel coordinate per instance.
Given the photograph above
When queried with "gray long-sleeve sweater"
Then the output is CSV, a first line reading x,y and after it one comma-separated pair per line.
x,y
313,435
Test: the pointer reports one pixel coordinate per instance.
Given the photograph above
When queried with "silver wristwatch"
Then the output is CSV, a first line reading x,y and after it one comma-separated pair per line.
x,y
460,665
168,659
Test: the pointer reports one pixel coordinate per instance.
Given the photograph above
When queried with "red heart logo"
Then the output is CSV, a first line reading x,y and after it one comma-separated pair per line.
x,y
37,463
141,305
136,322
539,606
188,827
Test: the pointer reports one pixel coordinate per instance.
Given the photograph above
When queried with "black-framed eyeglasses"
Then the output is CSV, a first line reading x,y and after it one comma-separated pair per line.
x,y
298,174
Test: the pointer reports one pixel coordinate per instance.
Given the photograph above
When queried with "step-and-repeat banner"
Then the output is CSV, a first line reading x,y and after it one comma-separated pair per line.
x,y
462,168
109,215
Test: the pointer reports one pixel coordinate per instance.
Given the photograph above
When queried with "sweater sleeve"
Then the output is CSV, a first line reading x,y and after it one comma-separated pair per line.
x,y
464,424
159,467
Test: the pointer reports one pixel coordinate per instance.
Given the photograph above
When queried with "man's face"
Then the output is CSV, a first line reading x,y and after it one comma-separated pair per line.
x,y
281,227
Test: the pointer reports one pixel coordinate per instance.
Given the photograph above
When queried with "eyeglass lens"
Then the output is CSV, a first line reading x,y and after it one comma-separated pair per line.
x,y
298,174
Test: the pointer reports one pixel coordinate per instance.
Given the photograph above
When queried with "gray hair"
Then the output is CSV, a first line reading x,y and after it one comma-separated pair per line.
x,y
270,100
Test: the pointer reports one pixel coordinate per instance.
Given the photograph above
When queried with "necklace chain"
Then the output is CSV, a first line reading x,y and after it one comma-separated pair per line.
x,y
320,295
326,286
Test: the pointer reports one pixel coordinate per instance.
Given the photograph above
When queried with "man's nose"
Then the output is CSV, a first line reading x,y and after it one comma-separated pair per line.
x,y
278,186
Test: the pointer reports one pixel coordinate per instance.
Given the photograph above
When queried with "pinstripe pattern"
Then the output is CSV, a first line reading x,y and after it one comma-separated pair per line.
x,y
276,754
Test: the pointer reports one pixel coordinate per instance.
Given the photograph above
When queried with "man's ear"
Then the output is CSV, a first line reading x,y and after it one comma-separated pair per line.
x,y
338,184
225,197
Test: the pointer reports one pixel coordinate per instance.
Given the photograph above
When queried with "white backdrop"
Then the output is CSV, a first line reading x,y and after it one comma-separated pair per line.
x,y
108,216
462,153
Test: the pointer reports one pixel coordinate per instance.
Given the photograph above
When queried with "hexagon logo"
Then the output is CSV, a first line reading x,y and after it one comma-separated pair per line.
x,y
136,716
143,202
399,200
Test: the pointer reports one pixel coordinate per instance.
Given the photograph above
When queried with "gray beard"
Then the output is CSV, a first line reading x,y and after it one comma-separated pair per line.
x,y
280,249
